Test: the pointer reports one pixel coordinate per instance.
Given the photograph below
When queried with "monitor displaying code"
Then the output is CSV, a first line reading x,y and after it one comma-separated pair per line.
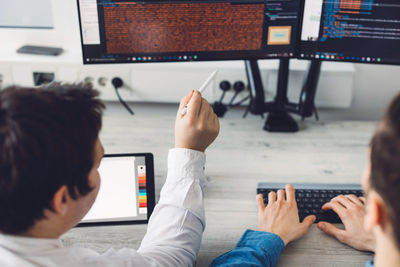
x,y
352,30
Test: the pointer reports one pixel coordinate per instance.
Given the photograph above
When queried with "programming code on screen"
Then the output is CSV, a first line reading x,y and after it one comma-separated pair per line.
x,y
361,19
170,27
354,30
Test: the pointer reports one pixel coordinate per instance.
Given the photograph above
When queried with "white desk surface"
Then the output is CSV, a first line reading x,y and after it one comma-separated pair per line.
x,y
242,156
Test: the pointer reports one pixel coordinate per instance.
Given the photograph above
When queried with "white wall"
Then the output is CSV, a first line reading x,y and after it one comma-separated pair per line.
x,y
65,33
31,14
374,85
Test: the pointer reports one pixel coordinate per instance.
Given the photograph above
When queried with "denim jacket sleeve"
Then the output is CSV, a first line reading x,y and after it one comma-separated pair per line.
x,y
254,248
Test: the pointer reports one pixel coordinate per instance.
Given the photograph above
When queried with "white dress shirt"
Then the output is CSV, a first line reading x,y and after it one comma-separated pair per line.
x,y
173,235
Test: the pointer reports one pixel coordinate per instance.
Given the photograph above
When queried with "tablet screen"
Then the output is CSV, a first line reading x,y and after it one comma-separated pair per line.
x,y
123,192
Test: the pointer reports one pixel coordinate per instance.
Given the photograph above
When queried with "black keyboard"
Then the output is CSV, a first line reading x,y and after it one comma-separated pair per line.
x,y
311,197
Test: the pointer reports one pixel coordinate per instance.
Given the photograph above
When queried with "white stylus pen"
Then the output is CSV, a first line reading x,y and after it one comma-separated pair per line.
x,y
202,88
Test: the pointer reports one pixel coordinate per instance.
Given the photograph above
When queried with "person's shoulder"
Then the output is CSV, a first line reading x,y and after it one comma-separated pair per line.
x,y
10,259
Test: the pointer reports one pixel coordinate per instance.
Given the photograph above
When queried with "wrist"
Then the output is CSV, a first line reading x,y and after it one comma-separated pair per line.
x,y
283,237
277,236
280,235
190,147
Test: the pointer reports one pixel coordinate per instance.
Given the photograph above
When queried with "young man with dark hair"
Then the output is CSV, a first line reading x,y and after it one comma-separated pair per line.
x,y
371,223
49,155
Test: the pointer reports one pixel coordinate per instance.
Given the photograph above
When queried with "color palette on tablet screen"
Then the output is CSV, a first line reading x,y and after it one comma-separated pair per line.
x,y
142,186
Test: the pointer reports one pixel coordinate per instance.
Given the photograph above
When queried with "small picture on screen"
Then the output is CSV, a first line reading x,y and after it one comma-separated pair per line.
x,y
279,35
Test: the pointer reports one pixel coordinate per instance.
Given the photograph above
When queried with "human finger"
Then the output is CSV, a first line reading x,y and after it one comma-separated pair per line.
x,y
271,197
343,201
260,202
331,230
215,121
290,196
185,100
362,199
308,221
336,207
281,195
194,104
204,110
354,199
212,115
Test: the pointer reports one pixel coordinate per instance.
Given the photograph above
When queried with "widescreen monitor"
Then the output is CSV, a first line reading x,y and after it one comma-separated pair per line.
x,y
165,31
362,31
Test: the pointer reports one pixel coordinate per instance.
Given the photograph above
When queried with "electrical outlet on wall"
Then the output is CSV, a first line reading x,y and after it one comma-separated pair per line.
x,y
101,76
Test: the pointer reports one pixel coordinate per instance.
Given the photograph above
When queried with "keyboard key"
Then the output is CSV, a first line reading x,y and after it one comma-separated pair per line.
x,y
314,212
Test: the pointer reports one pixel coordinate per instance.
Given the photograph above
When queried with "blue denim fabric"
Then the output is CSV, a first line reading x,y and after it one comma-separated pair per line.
x,y
254,248
370,264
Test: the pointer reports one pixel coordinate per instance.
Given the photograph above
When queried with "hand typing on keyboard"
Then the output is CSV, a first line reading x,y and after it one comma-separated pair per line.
x,y
351,211
281,216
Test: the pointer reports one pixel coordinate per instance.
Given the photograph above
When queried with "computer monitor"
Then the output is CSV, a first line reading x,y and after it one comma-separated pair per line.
x,y
362,31
123,31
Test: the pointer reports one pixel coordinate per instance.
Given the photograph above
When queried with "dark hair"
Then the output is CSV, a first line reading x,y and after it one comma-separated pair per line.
x,y
385,164
47,140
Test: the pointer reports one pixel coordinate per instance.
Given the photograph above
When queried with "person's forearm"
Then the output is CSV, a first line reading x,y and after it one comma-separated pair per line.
x,y
255,248
175,228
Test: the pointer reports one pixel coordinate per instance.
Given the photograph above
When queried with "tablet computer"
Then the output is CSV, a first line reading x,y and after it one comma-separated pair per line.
x,y
126,192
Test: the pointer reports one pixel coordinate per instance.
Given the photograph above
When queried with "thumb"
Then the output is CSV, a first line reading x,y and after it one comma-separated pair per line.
x,y
308,221
330,229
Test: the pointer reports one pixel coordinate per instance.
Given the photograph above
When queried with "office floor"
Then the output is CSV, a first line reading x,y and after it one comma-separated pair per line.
x,y
242,156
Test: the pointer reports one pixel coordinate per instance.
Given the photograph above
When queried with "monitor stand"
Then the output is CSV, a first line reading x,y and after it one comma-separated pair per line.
x,y
279,118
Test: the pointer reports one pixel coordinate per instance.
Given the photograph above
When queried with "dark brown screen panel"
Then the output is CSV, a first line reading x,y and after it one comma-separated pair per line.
x,y
184,27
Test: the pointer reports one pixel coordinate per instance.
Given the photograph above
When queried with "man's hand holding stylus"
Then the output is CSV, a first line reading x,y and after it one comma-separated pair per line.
x,y
199,127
